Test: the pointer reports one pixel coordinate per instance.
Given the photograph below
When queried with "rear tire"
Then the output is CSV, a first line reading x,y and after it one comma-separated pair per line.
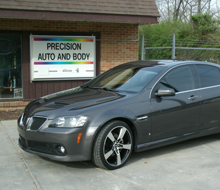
x,y
113,145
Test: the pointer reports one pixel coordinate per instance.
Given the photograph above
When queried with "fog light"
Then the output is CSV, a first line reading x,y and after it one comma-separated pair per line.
x,y
60,149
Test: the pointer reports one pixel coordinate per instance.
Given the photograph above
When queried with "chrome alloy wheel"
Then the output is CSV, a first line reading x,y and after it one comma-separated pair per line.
x,y
117,146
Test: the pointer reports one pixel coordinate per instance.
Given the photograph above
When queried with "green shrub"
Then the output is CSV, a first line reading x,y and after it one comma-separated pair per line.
x,y
201,27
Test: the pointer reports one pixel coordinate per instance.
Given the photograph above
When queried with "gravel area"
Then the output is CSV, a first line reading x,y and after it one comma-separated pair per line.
x,y
10,115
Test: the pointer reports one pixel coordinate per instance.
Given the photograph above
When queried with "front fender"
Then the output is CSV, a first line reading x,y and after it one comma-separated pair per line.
x,y
140,129
99,120
104,117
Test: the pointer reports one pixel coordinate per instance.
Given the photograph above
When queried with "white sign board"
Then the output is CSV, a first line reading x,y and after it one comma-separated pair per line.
x,y
62,57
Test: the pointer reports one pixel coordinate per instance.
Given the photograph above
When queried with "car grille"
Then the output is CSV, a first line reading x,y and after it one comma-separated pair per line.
x,y
37,123
41,147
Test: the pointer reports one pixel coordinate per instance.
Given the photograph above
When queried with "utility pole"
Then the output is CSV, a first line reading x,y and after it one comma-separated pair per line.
x,y
173,47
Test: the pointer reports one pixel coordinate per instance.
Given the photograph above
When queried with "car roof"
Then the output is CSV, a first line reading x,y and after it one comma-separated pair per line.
x,y
166,63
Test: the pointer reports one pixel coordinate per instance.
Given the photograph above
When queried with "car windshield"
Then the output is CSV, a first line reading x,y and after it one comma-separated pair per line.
x,y
132,78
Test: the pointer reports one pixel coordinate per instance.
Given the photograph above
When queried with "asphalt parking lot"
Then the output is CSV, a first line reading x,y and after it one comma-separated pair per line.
x,y
193,164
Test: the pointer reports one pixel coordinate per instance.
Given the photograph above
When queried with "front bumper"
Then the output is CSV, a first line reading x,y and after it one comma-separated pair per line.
x,y
44,142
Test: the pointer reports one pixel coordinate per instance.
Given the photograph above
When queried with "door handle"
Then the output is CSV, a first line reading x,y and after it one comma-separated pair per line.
x,y
193,97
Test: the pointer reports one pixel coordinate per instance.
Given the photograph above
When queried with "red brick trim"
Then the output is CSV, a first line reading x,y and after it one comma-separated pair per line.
x,y
10,106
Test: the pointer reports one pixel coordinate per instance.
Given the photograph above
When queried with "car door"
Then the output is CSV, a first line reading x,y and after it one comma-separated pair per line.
x,y
178,114
210,89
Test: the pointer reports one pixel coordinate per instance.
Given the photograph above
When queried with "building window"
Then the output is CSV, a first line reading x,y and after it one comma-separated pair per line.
x,y
10,66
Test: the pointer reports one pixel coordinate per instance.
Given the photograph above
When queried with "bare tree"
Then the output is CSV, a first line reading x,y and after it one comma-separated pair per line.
x,y
183,9
199,6
177,11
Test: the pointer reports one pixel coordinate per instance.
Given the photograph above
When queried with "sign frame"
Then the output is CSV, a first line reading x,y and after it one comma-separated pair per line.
x,y
63,39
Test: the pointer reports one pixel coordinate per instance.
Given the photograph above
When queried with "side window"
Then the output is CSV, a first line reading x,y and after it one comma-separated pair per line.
x,y
180,79
209,75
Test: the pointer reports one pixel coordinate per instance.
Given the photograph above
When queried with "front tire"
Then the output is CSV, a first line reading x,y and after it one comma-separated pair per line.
x,y
113,145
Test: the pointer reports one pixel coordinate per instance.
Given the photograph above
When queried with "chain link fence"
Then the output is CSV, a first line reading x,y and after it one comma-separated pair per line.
x,y
181,49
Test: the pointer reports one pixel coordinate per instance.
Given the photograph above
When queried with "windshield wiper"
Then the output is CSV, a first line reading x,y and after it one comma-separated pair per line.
x,y
101,88
109,89
89,87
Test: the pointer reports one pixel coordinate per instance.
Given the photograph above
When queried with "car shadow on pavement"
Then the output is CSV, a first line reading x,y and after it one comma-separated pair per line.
x,y
188,144
80,164
138,156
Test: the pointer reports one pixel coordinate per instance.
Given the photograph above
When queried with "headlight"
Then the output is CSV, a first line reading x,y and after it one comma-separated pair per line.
x,y
68,121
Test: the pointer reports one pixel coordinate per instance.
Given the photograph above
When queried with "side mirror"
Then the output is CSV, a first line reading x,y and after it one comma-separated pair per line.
x,y
165,92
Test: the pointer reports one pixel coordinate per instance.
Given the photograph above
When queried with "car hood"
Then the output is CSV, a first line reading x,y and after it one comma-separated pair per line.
x,y
69,100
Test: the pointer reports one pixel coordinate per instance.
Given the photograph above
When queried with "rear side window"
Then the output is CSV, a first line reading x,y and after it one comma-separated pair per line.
x,y
209,75
180,79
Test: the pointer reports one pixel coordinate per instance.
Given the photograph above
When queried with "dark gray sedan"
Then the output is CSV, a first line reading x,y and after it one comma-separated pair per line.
x,y
135,106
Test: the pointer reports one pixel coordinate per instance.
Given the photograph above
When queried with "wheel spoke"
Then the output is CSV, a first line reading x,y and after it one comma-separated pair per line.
x,y
116,146
111,137
122,133
126,146
108,154
118,158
